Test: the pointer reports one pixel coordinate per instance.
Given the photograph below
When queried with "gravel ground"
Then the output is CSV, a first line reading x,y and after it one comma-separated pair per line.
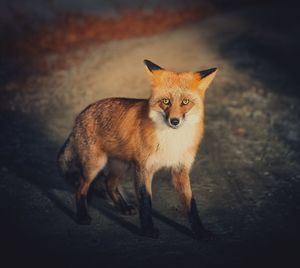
x,y
245,178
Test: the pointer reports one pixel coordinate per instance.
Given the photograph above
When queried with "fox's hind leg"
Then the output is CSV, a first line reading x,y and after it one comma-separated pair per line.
x,y
117,170
90,167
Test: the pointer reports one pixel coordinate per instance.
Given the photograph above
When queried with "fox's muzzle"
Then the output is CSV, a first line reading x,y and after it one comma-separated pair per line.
x,y
174,122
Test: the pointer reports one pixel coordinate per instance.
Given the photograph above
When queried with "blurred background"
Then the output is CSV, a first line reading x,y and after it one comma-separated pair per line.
x,y
57,57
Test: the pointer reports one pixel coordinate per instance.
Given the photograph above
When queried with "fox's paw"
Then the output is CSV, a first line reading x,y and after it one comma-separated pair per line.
x,y
84,220
128,210
204,235
151,232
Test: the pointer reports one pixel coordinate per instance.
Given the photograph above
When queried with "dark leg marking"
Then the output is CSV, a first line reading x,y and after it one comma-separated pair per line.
x,y
145,213
116,196
196,223
82,213
122,204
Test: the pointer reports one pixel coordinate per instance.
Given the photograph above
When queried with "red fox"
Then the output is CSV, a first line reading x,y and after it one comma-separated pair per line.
x,y
163,131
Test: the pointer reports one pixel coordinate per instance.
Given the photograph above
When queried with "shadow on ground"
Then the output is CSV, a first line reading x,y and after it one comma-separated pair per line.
x,y
27,152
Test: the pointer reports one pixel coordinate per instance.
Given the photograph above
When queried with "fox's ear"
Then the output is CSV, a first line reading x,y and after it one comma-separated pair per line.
x,y
206,77
151,67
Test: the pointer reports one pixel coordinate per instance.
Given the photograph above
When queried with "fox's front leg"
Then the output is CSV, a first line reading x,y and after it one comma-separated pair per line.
x,y
181,181
144,195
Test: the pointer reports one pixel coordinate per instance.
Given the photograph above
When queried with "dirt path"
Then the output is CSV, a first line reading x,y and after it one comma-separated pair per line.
x,y
245,178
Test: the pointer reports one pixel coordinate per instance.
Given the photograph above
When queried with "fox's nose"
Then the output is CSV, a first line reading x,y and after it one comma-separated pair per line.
x,y
174,121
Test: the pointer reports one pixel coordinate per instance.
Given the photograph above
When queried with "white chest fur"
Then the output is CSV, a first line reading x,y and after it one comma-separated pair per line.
x,y
174,145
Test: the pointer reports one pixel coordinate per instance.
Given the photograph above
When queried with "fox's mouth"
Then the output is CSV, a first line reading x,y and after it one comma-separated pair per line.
x,y
174,127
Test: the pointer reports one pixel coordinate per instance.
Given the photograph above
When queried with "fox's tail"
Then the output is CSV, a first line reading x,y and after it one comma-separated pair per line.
x,y
66,162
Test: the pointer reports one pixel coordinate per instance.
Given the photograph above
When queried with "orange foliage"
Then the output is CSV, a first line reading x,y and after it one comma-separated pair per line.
x,y
77,30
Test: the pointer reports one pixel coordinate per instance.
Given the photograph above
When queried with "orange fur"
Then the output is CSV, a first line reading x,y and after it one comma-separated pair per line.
x,y
139,131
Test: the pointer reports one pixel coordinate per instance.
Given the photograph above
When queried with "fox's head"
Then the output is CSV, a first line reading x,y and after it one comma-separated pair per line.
x,y
177,98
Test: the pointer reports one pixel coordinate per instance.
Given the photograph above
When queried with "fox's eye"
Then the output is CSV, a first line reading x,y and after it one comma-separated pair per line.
x,y
185,101
166,101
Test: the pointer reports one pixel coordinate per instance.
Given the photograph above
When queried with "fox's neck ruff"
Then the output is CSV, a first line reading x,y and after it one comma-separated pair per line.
x,y
174,146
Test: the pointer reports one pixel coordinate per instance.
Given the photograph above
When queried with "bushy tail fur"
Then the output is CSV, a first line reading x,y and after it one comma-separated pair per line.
x,y
66,161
